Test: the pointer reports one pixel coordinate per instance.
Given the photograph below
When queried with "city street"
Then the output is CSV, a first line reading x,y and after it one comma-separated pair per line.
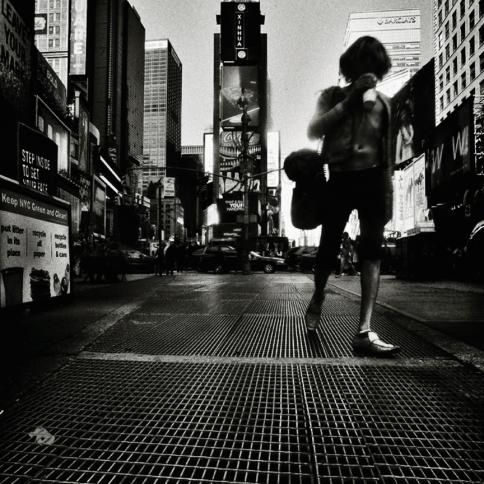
x,y
212,378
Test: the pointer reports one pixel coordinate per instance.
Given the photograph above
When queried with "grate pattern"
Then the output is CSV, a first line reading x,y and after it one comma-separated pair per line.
x,y
119,422
209,305
167,335
337,331
267,336
415,425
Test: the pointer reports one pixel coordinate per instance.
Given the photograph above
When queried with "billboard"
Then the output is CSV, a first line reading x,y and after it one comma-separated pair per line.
x,y
450,157
34,247
40,24
238,81
78,38
37,160
169,186
413,114
240,32
411,213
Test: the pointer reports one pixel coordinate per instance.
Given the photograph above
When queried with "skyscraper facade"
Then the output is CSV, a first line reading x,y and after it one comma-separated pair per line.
x,y
162,110
52,34
399,32
459,53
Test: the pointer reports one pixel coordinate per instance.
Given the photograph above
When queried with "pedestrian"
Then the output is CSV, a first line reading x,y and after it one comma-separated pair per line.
x,y
160,259
355,123
170,257
180,256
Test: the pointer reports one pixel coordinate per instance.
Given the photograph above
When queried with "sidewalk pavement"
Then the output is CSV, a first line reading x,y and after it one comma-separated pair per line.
x,y
213,378
452,307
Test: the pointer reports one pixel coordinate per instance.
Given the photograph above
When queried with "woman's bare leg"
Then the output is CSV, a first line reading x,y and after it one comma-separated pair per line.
x,y
370,282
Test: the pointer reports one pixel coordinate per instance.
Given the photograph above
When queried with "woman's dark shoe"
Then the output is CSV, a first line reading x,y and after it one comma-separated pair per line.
x,y
313,315
369,343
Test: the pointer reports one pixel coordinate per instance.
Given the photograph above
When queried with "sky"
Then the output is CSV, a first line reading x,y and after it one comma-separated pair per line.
x,y
305,40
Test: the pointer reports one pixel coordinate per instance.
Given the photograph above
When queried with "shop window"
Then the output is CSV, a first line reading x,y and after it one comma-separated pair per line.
x,y
40,123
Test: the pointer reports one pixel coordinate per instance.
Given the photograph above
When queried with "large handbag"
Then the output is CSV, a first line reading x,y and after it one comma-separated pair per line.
x,y
305,167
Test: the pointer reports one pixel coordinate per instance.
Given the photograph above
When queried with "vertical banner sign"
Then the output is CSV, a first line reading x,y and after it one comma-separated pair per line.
x,y
273,159
34,248
78,37
16,39
37,160
240,32
169,186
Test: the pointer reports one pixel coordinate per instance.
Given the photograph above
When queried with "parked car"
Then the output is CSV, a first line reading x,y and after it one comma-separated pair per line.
x,y
224,258
268,264
219,259
139,263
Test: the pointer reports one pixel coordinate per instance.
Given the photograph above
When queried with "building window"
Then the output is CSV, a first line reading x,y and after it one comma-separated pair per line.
x,y
441,60
463,56
462,8
447,52
441,39
463,80
454,66
481,8
456,89
472,20
447,96
441,83
447,74
481,35
454,42
473,71
472,47
462,31
446,30
454,19
481,61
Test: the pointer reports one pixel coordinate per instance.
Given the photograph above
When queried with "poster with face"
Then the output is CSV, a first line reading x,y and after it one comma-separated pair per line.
x,y
34,249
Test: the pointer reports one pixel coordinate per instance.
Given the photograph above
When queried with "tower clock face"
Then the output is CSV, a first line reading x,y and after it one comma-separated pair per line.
x,y
241,7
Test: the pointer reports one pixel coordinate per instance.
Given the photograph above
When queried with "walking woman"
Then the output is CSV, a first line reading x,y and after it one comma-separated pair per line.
x,y
355,121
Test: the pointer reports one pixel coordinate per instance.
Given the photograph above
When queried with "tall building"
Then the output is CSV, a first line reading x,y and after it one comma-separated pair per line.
x,y
52,34
162,110
399,32
459,53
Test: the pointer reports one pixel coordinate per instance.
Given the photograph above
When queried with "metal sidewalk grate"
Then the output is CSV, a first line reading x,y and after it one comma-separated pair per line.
x,y
117,421
207,305
338,330
268,336
161,423
415,424
166,335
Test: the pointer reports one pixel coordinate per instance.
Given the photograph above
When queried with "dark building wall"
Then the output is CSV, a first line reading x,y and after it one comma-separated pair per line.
x,y
188,179
134,92
173,111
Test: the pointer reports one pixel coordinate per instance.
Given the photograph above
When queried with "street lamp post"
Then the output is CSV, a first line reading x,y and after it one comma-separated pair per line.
x,y
245,170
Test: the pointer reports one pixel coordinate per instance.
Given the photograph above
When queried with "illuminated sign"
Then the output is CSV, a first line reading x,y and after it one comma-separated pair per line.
x,y
34,248
78,37
37,160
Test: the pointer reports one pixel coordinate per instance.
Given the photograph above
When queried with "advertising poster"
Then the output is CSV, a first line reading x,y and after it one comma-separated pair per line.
x,y
408,212
34,249
238,80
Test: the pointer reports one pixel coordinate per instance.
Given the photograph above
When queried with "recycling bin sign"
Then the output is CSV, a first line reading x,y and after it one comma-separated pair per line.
x,y
34,246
